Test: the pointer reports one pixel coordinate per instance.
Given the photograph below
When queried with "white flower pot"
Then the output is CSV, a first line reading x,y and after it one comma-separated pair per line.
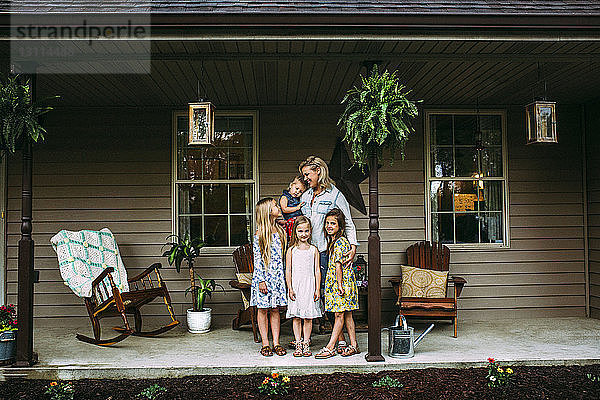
x,y
199,321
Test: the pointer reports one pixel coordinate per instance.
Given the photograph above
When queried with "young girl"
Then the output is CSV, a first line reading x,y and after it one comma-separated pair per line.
x,y
268,283
303,277
341,293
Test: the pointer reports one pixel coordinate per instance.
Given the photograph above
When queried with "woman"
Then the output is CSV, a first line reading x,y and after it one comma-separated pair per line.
x,y
321,197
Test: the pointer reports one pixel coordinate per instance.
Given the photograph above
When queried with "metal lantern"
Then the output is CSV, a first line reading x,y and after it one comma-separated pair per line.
x,y
541,122
202,123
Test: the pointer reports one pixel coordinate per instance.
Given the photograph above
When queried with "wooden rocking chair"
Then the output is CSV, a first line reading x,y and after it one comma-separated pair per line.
x,y
243,261
434,256
108,295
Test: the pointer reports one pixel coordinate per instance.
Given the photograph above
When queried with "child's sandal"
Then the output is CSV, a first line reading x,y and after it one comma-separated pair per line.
x,y
341,347
266,351
325,353
306,349
350,351
299,351
279,350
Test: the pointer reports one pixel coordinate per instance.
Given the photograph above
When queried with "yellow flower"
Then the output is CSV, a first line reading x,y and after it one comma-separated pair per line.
x,y
266,381
286,379
500,370
274,375
509,371
53,383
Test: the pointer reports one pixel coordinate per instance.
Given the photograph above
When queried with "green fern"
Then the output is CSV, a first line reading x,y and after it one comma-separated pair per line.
x,y
377,117
19,115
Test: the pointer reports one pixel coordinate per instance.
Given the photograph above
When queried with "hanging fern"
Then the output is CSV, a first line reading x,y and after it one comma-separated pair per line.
x,y
18,114
377,117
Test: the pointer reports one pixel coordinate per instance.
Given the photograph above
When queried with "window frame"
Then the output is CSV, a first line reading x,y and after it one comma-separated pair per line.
x,y
217,250
428,178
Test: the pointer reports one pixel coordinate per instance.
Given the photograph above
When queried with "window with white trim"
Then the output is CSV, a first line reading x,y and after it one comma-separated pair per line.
x,y
214,187
466,185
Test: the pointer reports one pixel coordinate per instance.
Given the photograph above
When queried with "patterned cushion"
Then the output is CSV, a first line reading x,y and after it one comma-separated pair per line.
x,y
245,277
83,255
417,282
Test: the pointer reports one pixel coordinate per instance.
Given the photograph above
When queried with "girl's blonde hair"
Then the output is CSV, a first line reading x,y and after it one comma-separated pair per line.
x,y
341,220
314,162
299,221
264,228
300,179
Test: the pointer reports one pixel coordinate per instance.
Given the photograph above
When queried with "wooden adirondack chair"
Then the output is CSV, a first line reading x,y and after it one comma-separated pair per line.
x,y
81,255
243,261
434,256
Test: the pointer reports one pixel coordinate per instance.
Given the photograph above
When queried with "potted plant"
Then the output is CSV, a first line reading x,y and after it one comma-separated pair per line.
x,y
19,114
8,333
182,248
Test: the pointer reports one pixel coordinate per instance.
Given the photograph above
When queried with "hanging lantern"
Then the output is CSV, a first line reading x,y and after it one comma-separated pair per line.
x,y
202,124
541,122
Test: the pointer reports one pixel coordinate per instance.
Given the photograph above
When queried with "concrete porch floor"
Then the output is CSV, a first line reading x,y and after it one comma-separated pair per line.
x,y
544,341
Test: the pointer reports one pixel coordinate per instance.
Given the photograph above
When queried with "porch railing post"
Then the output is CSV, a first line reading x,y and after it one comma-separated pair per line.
x,y
374,295
26,275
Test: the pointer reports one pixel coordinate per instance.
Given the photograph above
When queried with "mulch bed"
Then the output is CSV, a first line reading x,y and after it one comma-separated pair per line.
x,y
568,382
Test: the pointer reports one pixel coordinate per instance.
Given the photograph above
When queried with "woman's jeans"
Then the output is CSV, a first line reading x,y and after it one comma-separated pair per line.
x,y
323,261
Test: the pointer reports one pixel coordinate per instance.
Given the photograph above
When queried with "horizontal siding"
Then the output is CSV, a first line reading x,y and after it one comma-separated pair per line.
x,y
593,199
113,169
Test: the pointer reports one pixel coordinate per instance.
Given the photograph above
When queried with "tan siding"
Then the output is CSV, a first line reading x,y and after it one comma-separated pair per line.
x,y
112,168
593,199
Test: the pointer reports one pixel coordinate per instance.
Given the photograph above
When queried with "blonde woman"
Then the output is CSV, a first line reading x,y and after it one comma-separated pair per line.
x,y
268,289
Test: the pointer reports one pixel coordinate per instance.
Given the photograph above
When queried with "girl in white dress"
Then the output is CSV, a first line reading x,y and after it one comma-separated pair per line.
x,y
303,278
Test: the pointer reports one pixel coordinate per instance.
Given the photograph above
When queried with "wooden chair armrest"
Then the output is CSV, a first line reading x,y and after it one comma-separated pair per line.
x,y
148,270
237,285
458,283
102,275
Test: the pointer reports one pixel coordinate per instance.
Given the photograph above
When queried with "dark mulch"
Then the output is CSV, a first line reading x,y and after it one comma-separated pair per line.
x,y
434,383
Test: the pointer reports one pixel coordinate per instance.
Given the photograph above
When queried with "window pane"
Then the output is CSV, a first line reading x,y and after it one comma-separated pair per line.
x,y
442,228
190,199
465,128
441,162
465,196
240,163
491,129
240,199
233,131
215,199
441,196
467,228
441,129
240,229
490,193
466,162
491,161
491,228
190,226
215,230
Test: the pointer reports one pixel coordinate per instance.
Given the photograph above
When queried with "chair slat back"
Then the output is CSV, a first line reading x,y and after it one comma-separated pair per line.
x,y
243,259
429,255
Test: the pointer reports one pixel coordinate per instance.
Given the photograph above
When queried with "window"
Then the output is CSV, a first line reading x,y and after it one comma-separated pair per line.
x,y
215,186
466,185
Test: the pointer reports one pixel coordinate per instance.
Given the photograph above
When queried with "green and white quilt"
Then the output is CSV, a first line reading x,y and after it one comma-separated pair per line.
x,y
83,255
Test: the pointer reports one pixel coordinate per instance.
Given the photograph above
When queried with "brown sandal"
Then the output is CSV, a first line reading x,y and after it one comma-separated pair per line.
x,y
266,351
350,351
279,350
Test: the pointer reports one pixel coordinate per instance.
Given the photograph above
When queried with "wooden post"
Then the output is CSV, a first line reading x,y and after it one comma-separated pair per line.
x,y
374,296
26,275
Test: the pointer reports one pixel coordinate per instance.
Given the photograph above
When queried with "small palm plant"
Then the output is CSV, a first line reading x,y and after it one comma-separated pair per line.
x,y
183,248
203,290
377,117
19,114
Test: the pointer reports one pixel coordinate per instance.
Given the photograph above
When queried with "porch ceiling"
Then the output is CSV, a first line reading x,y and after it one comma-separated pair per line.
x,y
260,73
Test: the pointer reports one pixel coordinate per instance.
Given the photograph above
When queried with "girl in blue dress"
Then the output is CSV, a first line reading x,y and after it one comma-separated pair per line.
x,y
268,289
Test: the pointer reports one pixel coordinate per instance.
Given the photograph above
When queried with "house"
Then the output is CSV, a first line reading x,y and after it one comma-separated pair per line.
x,y
522,221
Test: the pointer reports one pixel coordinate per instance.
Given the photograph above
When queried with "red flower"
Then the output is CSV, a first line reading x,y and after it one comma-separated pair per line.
x,y
491,360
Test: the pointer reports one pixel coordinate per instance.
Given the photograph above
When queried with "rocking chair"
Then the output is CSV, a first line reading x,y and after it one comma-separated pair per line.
x,y
91,266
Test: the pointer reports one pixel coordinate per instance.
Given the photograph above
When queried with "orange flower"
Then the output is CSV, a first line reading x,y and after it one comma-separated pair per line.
x,y
275,375
53,383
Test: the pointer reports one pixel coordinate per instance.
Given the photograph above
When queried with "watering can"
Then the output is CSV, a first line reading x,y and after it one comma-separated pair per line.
x,y
401,339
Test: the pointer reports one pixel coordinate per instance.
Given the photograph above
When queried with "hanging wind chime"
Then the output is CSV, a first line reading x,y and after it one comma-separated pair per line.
x,y
541,119
201,118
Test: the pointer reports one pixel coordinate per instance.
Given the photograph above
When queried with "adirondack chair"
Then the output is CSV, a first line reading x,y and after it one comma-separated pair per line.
x,y
91,265
243,261
434,256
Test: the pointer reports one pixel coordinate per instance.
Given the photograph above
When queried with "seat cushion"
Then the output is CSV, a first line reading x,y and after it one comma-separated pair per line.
x,y
83,255
418,282
245,277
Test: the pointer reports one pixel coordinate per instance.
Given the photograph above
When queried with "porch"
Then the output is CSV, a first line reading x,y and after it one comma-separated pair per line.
x,y
541,341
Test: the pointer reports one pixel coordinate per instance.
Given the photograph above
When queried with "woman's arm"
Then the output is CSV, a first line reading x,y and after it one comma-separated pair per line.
x,y
283,203
288,274
317,275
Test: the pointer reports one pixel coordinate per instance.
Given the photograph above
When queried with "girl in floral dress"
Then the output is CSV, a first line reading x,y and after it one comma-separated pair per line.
x,y
268,291
341,293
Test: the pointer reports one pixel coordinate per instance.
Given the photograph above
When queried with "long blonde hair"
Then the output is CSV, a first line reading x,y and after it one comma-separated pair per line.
x,y
314,162
299,221
264,228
